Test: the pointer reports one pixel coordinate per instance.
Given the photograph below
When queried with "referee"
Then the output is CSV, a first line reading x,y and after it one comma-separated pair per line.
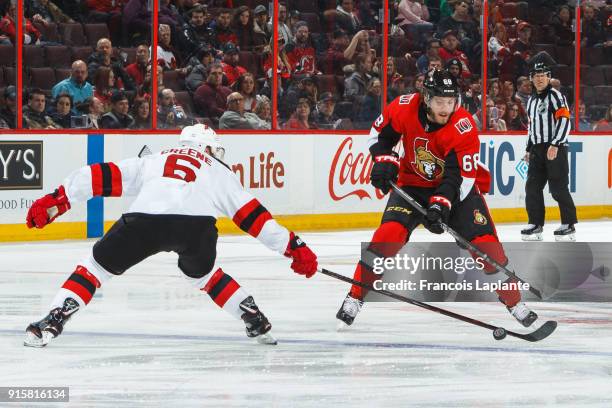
x,y
549,126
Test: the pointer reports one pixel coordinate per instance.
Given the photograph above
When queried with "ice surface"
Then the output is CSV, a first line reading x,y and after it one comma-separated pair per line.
x,y
149,339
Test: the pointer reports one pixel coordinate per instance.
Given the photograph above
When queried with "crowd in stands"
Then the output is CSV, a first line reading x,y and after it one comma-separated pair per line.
x,y
88,63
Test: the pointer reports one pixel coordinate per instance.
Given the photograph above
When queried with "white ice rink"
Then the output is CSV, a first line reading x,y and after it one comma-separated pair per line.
x,y
148,339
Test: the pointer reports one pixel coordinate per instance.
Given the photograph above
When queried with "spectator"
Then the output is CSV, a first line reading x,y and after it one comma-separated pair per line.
x,y
417,84
211,97
507,91
494,90
138,69
263,109
494,118
170,14
471,99
562,26
521,49
346,17
95,110
433,46
593,31
231,69
9,110
144,91
371,106
8,30
34,116
118,117
461,23
167,55
455,68
136,21
198,68
499,52
170,115
335,57
235,116
44,12
196,32
413,18
450,50
284,31
605,125
244,28
324,115
61,112
283,68
304,88
501,106
294,17
393,80
555,83
524,90
247,87
102,57
301,54
356,84
513,119
360,43
104,86
299,120
584,121
260,26
109,12
223,31
75,85
434,63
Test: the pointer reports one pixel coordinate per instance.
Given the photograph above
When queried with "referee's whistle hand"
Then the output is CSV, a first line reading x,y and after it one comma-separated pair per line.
x,y
551,154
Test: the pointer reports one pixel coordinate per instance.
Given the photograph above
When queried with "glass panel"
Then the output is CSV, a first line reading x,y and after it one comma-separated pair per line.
x,y
225,65
521,34
8,75
333,52
83,70
595,105
423,36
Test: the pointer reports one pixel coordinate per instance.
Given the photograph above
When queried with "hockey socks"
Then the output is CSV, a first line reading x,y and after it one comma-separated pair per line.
x,y
225,292
81,285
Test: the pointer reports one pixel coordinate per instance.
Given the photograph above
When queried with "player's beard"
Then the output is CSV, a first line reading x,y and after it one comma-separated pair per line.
x,y
437,118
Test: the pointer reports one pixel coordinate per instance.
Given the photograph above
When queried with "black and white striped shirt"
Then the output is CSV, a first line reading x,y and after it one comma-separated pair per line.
x,y
549,118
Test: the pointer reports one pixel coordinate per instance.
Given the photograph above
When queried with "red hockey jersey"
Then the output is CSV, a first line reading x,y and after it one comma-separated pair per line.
x,y
445,158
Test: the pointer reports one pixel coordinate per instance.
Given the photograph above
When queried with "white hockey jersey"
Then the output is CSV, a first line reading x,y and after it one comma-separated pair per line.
x,y
179,180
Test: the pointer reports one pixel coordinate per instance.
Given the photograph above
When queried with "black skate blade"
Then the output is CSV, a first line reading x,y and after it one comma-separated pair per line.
x,y
539,334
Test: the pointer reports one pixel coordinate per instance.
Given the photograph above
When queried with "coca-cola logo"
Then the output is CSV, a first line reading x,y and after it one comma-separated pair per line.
x,y
350,171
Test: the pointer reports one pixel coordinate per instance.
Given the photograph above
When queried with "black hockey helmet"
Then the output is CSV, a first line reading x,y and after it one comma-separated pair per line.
x,y
440,83
539,67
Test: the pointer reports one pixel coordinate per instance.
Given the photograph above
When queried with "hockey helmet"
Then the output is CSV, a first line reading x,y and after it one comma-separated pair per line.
x,y
539,67
441,83
201,136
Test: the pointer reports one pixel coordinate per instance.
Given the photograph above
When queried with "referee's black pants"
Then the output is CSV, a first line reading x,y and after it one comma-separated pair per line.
x,y
556,173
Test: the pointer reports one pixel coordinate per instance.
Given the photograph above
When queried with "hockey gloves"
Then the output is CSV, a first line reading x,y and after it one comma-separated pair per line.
x,y
46,209
438,212
304,260
384,171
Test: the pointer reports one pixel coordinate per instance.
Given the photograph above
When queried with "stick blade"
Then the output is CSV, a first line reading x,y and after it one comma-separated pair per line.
x,y
540,334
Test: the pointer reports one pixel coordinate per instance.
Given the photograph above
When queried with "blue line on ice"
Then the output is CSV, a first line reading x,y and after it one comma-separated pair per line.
x,y
328,343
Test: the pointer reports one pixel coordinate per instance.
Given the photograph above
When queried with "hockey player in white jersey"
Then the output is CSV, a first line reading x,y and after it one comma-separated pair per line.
x,y
180,192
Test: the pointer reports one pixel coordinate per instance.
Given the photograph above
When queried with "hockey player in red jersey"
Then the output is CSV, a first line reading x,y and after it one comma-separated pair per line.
x,y
440,169
180,192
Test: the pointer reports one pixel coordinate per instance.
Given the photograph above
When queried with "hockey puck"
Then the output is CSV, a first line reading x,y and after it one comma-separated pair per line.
x,y
499,333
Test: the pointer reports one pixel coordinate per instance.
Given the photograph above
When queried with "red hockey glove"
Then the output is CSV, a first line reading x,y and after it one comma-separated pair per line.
x,y
385,169
304,260
438,212
46,209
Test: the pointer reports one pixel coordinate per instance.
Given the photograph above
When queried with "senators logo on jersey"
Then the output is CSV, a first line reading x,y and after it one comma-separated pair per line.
x,y
425,163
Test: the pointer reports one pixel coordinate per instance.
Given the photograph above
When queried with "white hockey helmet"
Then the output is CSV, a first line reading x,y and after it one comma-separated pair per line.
x,y
201,136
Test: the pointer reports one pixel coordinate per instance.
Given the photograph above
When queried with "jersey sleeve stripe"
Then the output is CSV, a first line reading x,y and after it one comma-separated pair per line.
x,y
106,180
252,217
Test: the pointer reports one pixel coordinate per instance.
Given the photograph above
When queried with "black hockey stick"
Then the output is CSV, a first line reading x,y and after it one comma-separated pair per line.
x,y
467,244
498,332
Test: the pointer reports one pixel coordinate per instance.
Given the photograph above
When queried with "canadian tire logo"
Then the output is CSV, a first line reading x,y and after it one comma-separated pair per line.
x,y
21,164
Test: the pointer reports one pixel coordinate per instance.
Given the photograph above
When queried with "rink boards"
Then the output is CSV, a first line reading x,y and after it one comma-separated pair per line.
x,y
311,181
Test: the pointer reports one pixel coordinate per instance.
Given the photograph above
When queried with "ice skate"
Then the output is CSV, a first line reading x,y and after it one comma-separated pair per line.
x,y
523,314
532,233
566,232
257,325
348,311
40,333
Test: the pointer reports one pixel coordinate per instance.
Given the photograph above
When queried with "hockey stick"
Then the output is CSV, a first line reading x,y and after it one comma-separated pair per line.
x,y
498,332
467,244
